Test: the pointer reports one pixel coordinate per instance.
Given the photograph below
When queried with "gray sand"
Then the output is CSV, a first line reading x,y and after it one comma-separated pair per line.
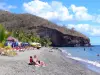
x,y
57,64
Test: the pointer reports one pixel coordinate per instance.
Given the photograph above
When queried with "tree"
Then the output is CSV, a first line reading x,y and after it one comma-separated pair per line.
x,y
2,33
46,41
32,37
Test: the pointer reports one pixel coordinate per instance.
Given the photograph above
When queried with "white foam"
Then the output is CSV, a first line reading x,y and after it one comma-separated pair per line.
x,y
95,63
69,54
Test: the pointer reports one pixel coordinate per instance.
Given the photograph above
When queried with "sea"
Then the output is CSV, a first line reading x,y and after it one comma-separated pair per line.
x,y
89,56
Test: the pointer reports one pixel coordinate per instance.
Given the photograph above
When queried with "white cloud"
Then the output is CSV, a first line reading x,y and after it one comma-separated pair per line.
x,y
97,19
35,0
57,12
4,6
87,29
96,32
81,13
52,11
12,7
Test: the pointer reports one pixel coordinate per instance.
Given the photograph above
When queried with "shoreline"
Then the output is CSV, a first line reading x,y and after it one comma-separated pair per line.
x,y
87,63
57,64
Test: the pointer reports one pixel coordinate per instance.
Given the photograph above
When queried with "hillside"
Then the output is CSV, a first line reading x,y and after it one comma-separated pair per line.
x,y
60,36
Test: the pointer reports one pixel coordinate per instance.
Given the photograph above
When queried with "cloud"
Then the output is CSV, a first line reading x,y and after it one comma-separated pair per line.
x,y
55,11
35,0
97,19
86,29
81,13
4,6
12,7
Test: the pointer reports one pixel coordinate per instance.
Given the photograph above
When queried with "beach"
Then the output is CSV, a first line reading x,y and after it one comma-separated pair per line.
x,y
56,64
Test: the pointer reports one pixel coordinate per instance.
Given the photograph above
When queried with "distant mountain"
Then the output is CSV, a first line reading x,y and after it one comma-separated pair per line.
x,y
60,36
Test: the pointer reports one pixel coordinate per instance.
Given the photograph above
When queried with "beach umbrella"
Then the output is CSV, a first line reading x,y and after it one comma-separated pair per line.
x,y
10,38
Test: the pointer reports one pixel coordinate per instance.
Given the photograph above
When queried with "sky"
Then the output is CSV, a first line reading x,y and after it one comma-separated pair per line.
x,y
83,15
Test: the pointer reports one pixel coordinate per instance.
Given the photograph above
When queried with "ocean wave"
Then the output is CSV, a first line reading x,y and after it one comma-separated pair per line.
x,y
69,54
94,63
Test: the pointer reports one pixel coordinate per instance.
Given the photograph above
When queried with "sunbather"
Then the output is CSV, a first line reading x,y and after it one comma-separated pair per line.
x,y
31,61
38,62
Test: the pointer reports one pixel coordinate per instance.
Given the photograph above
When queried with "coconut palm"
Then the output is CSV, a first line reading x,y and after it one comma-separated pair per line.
x,y
2,33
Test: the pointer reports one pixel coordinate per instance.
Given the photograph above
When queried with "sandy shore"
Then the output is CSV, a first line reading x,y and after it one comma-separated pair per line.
x,y
57,64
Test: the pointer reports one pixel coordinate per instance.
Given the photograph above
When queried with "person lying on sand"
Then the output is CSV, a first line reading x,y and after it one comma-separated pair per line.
x,y
38,62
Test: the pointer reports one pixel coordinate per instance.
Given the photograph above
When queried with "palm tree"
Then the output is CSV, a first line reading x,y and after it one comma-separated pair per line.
x,y
2,33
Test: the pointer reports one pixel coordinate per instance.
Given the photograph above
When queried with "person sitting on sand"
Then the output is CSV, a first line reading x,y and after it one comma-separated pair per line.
x,y
38,62
31,61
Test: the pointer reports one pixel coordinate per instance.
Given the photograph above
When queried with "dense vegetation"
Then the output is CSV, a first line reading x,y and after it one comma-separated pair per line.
x,y
3,35
32,37
22,36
